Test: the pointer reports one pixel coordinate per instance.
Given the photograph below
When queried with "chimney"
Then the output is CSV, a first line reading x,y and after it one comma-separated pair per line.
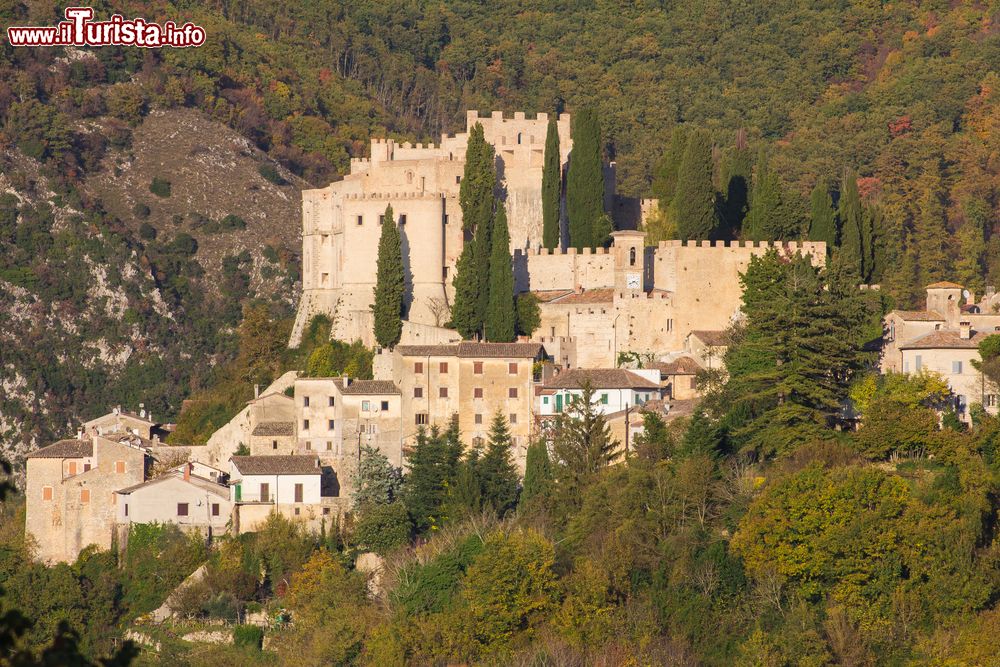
x,y
79,434
187,471
972,298
256,391
964,330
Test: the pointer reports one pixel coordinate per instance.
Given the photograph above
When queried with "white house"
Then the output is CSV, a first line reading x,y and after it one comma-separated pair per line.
x,y
615,389
179,497
289,485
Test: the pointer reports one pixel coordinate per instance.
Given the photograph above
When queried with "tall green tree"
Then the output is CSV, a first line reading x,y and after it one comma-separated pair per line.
x,y
823,217
930,231
585,182
851,216
501,314
389,284
498,476
772,216
972,244
477,197
582,443
537,473
694,201
665,172
433,470
551,185
737,173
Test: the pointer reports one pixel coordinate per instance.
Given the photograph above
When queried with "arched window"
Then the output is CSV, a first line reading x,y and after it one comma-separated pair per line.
x,y
518,137
409,177
631,256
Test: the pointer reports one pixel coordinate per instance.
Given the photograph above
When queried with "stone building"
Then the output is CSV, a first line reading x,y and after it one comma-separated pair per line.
x,y
70,493
472,380
944,337
180,497
286,485
615,389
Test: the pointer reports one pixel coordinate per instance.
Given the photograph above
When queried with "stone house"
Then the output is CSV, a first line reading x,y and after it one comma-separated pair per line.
x,y
70,494
473,380
288,485
180,497
678,377
273,425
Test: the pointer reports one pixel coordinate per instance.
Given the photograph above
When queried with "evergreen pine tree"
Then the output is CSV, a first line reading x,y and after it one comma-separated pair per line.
x,y
551,186
582,441
497,473
875,240
694,200
466,282
501,314
585,182
823,218
930,232
665,172
433,469
972,245
389,284
537,473
771,216
851,223
736,174
482,253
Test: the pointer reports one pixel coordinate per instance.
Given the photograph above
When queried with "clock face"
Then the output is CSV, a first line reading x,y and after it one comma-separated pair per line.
x,y
633,280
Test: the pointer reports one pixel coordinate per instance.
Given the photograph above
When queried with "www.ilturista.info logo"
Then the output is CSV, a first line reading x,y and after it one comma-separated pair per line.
x,y
79,30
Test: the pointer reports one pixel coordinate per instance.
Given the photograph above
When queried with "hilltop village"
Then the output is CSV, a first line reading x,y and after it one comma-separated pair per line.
x,y
633,326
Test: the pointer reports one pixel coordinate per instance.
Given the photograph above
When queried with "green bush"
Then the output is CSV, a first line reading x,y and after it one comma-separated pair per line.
x,y
382,528
249,636
141,210
147,231
270,173
160,187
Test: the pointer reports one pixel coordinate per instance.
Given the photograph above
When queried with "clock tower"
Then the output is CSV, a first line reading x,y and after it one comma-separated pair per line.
x,y
630,265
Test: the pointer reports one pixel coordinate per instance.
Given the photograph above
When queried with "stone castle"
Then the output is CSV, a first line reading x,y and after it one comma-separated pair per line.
x,y
594,304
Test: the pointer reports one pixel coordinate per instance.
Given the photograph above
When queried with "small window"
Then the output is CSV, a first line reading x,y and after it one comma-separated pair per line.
x,y
84,495
458,179
402,219
326,511
443,367
309,444
329,424
120,467
366,406
305,424
215,509
956,367
604,399
512,418
443,392
421,418
479,419
274,444
545,400
512,392
47,493
72,467
298,511
990,400
418,392
919,362
512,368
126,509
182,509
694,382
305,401
329,446
477,392
418,367
332,402
86,467
477,367
361,220
631,256
385,405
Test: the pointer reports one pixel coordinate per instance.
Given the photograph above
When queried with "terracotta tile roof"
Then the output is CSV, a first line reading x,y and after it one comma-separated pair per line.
x,y
598,295
945,339
679,366
202,483
473,349
711,338
276,465
600,378
71,448
274,428
918,315
944,284
545,296
368,387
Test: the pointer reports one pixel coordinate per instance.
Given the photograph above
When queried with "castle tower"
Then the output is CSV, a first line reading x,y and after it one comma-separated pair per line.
x,y
945,299
630,266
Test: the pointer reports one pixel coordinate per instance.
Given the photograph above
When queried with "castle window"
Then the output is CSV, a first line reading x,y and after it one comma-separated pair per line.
x,y
458,179
990,400
305,424
631,256
956,367
446,218
126,509
329,446
361,220
409,177
72,468
518,137
670,325
305,401
309,444
331,402
330,424
274,444
46,493
418,392
402,219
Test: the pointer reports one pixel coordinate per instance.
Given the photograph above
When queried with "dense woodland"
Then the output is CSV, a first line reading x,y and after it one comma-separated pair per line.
x,y
763,530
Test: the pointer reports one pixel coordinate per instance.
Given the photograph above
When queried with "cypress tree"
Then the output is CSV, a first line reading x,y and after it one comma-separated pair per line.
x,y
389,284
771,216
551,186
537,473
585,182
850,214
497,473
823,219
477,198
665,172
930,233
501,314
694,200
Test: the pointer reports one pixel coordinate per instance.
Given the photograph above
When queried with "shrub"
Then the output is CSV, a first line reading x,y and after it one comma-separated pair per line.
x,y
147,231
270,173
160,187
382,528
249,636
141,210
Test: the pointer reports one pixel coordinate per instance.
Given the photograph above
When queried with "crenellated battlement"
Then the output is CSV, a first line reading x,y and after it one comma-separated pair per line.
x,y
361,196
473,116
805,247
535,252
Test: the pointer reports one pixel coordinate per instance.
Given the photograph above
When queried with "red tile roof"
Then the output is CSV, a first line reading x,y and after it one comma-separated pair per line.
x,y
679,366
71,448
945,339
473,350
276,465
600,378
918,315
